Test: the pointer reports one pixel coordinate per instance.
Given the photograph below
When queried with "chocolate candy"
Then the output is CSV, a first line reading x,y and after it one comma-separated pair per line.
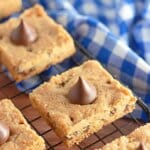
x,y
24,34
82,93
4,133
142,146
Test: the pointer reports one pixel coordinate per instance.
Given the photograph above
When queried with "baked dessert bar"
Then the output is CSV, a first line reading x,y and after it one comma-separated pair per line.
x,y
137,140
15,133
81,101
33,42
8,7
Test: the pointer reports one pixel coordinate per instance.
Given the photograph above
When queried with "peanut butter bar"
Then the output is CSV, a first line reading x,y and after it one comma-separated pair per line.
x,y
8,7
75,114
20,136
32,43
137,140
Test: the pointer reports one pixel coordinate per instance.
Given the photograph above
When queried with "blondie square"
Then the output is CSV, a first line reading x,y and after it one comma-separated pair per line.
x,y
22,137
8,7
53,44
74,122
137,140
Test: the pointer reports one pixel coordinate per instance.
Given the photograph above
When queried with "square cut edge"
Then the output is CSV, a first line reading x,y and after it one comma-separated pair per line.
x,y
73,122
21,134
133,140
53,45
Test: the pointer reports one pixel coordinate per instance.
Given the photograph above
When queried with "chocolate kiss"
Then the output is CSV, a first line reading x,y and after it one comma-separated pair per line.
x,y
4,133
82,93
142,146
24,34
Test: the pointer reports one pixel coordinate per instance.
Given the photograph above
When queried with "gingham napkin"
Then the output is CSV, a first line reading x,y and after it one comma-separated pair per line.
x,y
116,32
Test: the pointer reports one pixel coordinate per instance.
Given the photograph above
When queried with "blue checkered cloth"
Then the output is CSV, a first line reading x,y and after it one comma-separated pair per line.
x,y
117,33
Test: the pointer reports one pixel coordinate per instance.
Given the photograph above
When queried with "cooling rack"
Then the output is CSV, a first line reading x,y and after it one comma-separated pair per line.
x,y
120,127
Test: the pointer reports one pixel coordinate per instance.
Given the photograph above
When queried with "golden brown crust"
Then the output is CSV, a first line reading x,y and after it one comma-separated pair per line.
x,y
132,141
53,45
8,7
21,135
75,122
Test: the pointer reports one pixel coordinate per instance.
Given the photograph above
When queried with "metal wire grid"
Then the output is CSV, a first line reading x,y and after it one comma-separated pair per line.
x,y
120,127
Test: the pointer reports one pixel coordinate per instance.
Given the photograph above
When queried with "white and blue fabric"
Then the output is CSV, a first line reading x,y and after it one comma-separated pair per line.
x,y
115,32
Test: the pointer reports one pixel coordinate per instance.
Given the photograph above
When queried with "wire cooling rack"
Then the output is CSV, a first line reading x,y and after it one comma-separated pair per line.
x,y
120,127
